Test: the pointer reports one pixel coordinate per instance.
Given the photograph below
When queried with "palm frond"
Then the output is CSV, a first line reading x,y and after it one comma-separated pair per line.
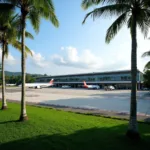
x,y
88,3
6,52
146,54
34,18
53,19
28,51
47,11
16,44
110,10
46,4
143,21
147,66
29,35
49,14
115,27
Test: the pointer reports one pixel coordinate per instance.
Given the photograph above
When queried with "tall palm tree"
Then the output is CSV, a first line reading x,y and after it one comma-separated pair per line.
x,y
4,25
147,66
33,10
9,32
133,13
0,74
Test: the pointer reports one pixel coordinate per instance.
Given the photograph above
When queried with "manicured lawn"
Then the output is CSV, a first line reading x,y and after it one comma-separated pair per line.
x,y
49,129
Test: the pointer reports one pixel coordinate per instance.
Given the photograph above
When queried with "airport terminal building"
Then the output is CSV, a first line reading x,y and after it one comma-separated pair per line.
x,y
119,79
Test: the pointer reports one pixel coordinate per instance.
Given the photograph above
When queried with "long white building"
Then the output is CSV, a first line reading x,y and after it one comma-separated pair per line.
x,y
119,79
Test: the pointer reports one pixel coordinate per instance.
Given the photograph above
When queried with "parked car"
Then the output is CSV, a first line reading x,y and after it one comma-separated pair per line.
x,y
66,86
109,88
144,88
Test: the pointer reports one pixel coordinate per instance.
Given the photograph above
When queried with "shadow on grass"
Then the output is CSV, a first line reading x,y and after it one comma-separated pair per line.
x,y
87,139
12,121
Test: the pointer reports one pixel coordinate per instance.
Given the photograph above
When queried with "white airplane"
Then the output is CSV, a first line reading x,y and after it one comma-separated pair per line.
x,y
10,84
90,86
39,85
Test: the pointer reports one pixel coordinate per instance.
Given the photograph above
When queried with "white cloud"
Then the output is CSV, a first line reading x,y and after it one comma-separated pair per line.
x,y
62,48
117,55
10,60
118,58
57,59
69,56
38,60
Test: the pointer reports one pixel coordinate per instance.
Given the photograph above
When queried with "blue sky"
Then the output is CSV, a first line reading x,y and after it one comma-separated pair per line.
x,y
77,48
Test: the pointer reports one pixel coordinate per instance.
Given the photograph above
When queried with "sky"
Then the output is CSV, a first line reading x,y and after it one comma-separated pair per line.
x,y
76,48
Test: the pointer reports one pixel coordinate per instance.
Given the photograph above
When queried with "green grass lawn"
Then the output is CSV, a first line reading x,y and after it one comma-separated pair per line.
x,y
49,129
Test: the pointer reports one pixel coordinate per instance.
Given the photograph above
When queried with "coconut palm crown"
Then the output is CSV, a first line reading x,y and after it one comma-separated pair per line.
x,y
133,13
34,10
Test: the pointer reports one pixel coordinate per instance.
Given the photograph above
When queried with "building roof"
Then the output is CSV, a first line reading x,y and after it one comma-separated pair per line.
x,y
92,73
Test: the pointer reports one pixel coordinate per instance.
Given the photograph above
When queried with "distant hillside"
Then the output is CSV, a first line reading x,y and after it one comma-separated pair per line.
x,y
8,73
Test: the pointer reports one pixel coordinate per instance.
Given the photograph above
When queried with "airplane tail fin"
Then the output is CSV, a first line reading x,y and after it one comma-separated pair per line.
x,y
51,82
84,83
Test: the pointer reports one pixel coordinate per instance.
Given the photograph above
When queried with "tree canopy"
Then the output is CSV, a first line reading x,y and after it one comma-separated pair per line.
x,y
124,10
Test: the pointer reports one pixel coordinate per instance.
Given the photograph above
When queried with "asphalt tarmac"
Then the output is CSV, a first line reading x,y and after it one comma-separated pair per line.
x,y
117,100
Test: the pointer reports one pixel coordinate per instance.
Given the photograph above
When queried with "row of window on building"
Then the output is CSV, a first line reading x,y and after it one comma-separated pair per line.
x,y
90,79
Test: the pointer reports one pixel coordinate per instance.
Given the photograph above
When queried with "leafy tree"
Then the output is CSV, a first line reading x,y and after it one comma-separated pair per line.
x,y
33,10
17,79
147,78
29,79
0,74
133,13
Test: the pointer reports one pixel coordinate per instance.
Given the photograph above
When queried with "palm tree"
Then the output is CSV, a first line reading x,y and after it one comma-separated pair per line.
x,y
0,74
4,24
9,32
33,10
134,13
147,66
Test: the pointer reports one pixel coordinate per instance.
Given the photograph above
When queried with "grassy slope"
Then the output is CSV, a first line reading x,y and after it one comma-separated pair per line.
x,y
51,129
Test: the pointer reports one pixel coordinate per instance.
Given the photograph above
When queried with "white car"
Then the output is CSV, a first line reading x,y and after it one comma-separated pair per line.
x,y
110,87
66,86
145,88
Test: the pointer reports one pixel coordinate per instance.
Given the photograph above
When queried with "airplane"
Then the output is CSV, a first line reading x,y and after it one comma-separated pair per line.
x,y
39,85
10,84
90,86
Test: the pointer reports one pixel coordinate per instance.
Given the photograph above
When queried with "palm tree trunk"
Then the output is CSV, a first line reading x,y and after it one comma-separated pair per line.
x,y
23,115
4,104
133,128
